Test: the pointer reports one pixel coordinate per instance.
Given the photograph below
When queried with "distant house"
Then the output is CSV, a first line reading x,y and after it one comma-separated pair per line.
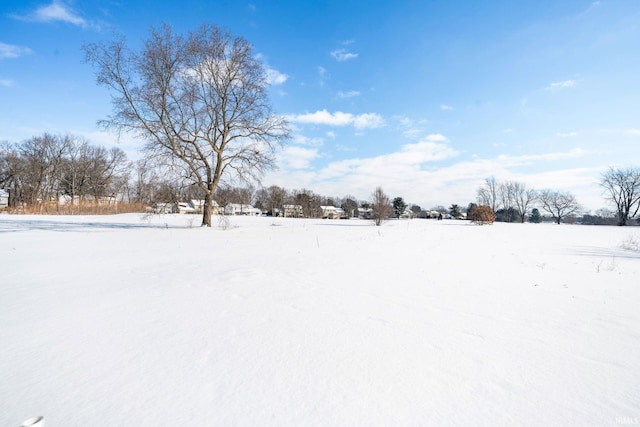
x,y
241,209
406,214
186,208
437,214
197,207
4,199
163,208
331,212
292,211
365,213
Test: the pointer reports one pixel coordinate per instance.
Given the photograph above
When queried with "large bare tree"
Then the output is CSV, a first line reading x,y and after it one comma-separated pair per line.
x,y
623,188
489,194
523,198
199,101
559,205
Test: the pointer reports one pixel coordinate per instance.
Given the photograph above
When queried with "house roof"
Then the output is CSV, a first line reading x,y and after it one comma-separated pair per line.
x,y
200,203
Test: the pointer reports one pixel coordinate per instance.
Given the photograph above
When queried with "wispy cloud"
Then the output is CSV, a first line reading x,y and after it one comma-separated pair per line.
x,y
275,77
323,117
511,161
592,7
6,83
13,51
308,141
322,75
350,94
342,55
561,85
446,107
567,134
412,129
57,11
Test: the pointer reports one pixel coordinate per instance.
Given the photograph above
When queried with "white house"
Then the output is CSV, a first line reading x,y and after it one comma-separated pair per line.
x,y
241,209
163,208
365,213
198,205
4,199
186,208
331,212
292,211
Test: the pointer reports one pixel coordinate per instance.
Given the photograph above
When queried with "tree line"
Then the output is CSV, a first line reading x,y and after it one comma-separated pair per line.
x,y
49,171
66,174
513,201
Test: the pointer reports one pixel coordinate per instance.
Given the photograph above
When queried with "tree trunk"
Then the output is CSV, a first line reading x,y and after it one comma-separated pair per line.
x,y
622,218
207,208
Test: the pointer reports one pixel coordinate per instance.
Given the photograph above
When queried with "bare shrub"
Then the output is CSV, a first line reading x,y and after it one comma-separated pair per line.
x,y
481,215
631,243
381,206
223,222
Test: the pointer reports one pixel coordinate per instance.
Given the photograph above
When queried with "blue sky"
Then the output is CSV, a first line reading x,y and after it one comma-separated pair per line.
x,y
423,98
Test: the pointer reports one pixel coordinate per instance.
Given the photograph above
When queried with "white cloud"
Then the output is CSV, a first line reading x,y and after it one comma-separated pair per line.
x,y
6,82
57,11
567,134
304,140
633,131
331,134
345,148
446,107
561,85
297,157
323,117
349,94
368,121
275,77
12,51
511,161
409,159
342,55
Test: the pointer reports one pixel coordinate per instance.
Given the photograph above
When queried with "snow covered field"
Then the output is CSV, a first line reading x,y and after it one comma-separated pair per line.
x,y
124,321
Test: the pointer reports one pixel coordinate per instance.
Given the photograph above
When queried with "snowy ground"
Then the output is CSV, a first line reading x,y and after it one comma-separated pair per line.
x,y
124,321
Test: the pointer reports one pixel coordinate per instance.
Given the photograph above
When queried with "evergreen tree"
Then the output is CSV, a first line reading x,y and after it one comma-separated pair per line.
x,y
535,216
399,206
454,210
